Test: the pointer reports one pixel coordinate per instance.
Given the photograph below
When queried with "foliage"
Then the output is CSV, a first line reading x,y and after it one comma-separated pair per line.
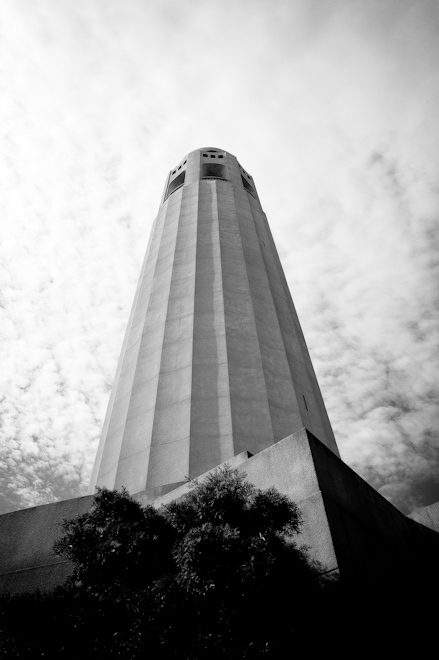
x,y
216,574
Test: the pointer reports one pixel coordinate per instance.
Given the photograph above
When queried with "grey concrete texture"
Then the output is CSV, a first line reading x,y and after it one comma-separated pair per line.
x,y
27,560
214,361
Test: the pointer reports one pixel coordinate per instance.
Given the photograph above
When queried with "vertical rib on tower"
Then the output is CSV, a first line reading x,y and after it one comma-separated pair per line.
x,y
214,361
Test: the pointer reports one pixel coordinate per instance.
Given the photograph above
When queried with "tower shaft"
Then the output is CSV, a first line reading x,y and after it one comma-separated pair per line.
x,y
214,361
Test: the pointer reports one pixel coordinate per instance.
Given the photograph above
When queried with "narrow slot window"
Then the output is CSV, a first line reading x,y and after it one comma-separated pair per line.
x,y
306,405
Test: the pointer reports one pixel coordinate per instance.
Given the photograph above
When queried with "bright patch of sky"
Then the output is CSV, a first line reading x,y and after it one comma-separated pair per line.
x,y
332,106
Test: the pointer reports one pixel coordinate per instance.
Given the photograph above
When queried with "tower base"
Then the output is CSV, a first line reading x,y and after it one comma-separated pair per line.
x,y
347,526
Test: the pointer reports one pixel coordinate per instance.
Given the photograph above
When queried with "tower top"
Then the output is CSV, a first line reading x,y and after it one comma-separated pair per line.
x,y
211,149
208,163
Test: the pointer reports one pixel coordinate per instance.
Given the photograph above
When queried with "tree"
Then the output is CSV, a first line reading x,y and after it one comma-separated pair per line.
x,y
216,574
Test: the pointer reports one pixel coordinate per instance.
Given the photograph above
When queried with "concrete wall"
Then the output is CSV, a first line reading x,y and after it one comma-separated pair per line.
x,y
287,466
347,525
370,535
27,561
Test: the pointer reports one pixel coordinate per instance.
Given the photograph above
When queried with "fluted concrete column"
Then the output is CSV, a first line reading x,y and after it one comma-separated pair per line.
x,y
214,361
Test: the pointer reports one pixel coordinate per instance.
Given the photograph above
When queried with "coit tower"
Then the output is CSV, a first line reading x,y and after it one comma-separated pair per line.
x,y
214,361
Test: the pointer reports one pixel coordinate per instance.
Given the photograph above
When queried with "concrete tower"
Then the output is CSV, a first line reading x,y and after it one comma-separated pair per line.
x,y
214,361
213,367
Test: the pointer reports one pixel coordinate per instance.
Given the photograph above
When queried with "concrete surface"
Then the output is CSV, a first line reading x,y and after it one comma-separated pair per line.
x,y
214,361
27,561
287,466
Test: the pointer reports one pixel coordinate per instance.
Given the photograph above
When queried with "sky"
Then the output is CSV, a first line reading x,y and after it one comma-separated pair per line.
x,y
333,108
